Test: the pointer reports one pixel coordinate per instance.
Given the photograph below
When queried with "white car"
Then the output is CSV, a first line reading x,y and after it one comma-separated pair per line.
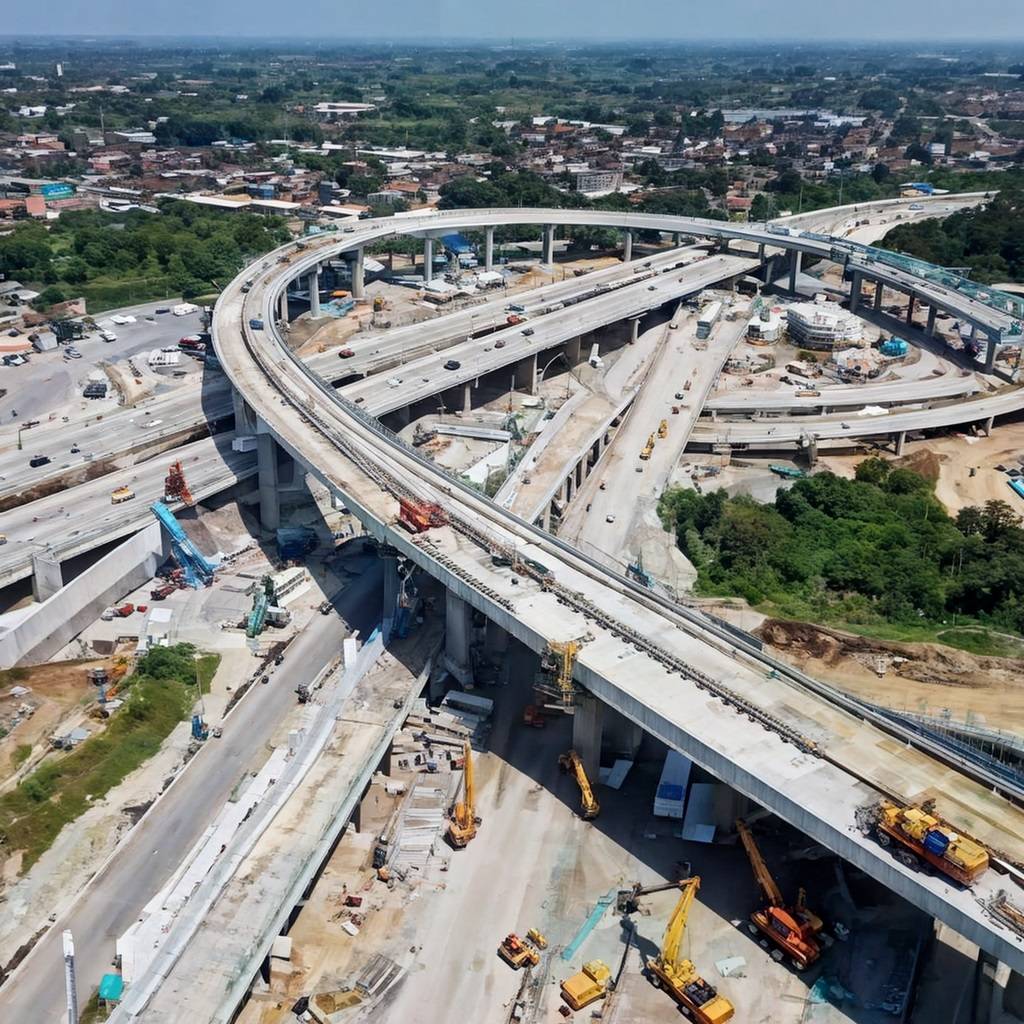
x,y
121,319
184,308
394,382
108,335
610,518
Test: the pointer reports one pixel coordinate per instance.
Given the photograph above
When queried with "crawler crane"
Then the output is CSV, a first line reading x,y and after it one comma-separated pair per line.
x,y
793,929
571,763
462,827
698,999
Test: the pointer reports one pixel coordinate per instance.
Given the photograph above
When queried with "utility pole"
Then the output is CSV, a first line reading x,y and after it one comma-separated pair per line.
x,y
69,978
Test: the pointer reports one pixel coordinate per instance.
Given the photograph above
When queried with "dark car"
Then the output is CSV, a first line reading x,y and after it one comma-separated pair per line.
x,y
452,364
162,309
38,460
499,344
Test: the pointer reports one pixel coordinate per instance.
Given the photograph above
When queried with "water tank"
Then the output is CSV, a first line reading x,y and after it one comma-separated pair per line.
x,y
936,842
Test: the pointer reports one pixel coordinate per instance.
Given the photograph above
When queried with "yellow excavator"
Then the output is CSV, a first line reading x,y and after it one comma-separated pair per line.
x,y
463,823
793,929
678,977
570,763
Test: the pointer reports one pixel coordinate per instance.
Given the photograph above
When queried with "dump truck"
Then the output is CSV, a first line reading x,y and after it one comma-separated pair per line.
x,y
121,494
916,837
517,953
588,985
648,448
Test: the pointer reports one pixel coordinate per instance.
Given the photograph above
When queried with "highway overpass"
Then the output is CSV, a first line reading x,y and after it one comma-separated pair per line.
x,y
804,751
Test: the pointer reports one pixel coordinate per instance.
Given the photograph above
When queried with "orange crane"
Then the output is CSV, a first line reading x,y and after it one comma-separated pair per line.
x,y
176,486
794,930
463,823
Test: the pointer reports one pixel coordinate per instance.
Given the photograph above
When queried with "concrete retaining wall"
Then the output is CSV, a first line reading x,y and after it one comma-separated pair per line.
x,y
45,628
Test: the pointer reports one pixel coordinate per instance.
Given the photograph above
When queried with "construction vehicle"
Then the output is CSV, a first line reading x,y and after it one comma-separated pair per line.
x,y
916,837
588,985
517,953
794,930
463,823
636,571
163,590
663,429
263,598
200,730
197,570
556,666
533,716
648,448
571,763
512,320
698,999
420,516
121,494
539,940
790,472
175,485
628,900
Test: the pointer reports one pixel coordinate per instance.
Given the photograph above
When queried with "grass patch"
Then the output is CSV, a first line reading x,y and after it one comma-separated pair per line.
x,y
206,665
21,754
158,695
982,641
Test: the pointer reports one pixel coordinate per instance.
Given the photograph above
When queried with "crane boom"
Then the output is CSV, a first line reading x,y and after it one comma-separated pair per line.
x,y
676,926
462,827
772,893
571,762
469,805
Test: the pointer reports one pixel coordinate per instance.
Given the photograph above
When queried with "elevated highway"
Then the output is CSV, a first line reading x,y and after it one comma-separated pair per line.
x,y
808,753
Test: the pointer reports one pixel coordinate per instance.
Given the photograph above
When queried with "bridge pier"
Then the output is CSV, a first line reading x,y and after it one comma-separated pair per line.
x,y
899,442
574,350
988,426
587,732
358,274
245,418
457,632
467,398
282,305
269,482
760,252
314,294
677,239
879,289
634,330
930,328
796,260
627,246
428,260
856,280
620,736
488,249
525,376
548,253
994,337
392,587
911,307
47,577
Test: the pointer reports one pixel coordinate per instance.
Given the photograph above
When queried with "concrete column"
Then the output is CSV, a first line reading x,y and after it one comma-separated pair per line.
x,y
627,246
428,260
988,426
488,248
878,294
358,274
282,305
567,489
392,586
634,331
467,398
314,295
526,375
402,416
595,452
245,418
677,239
270,501
930,329
457,631
795,263
548,255
911,307
546,518
899,442
574,350
621,736
994,338
587,731
811,448
579,474
760,252
47,578
855,286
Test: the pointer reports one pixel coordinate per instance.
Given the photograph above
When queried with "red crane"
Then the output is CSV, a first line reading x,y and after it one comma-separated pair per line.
x,y
176,487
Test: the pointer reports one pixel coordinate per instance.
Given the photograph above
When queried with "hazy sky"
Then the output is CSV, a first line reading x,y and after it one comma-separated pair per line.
x,y
604,20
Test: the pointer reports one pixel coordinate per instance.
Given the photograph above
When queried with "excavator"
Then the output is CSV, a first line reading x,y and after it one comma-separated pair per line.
x,y
627,901
571,763
463,823
794,930
698,999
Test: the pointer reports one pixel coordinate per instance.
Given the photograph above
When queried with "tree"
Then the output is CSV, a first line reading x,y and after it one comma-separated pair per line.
x,y
49,297
879,173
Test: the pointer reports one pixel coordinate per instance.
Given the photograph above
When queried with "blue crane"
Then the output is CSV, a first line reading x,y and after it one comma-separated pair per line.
x,y
197,567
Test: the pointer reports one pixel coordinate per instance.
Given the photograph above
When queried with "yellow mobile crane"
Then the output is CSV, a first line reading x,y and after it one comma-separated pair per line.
x,y
556,666
698,999
571,763
463,823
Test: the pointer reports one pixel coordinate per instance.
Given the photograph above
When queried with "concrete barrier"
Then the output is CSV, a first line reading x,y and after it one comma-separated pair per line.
x,y
40,631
